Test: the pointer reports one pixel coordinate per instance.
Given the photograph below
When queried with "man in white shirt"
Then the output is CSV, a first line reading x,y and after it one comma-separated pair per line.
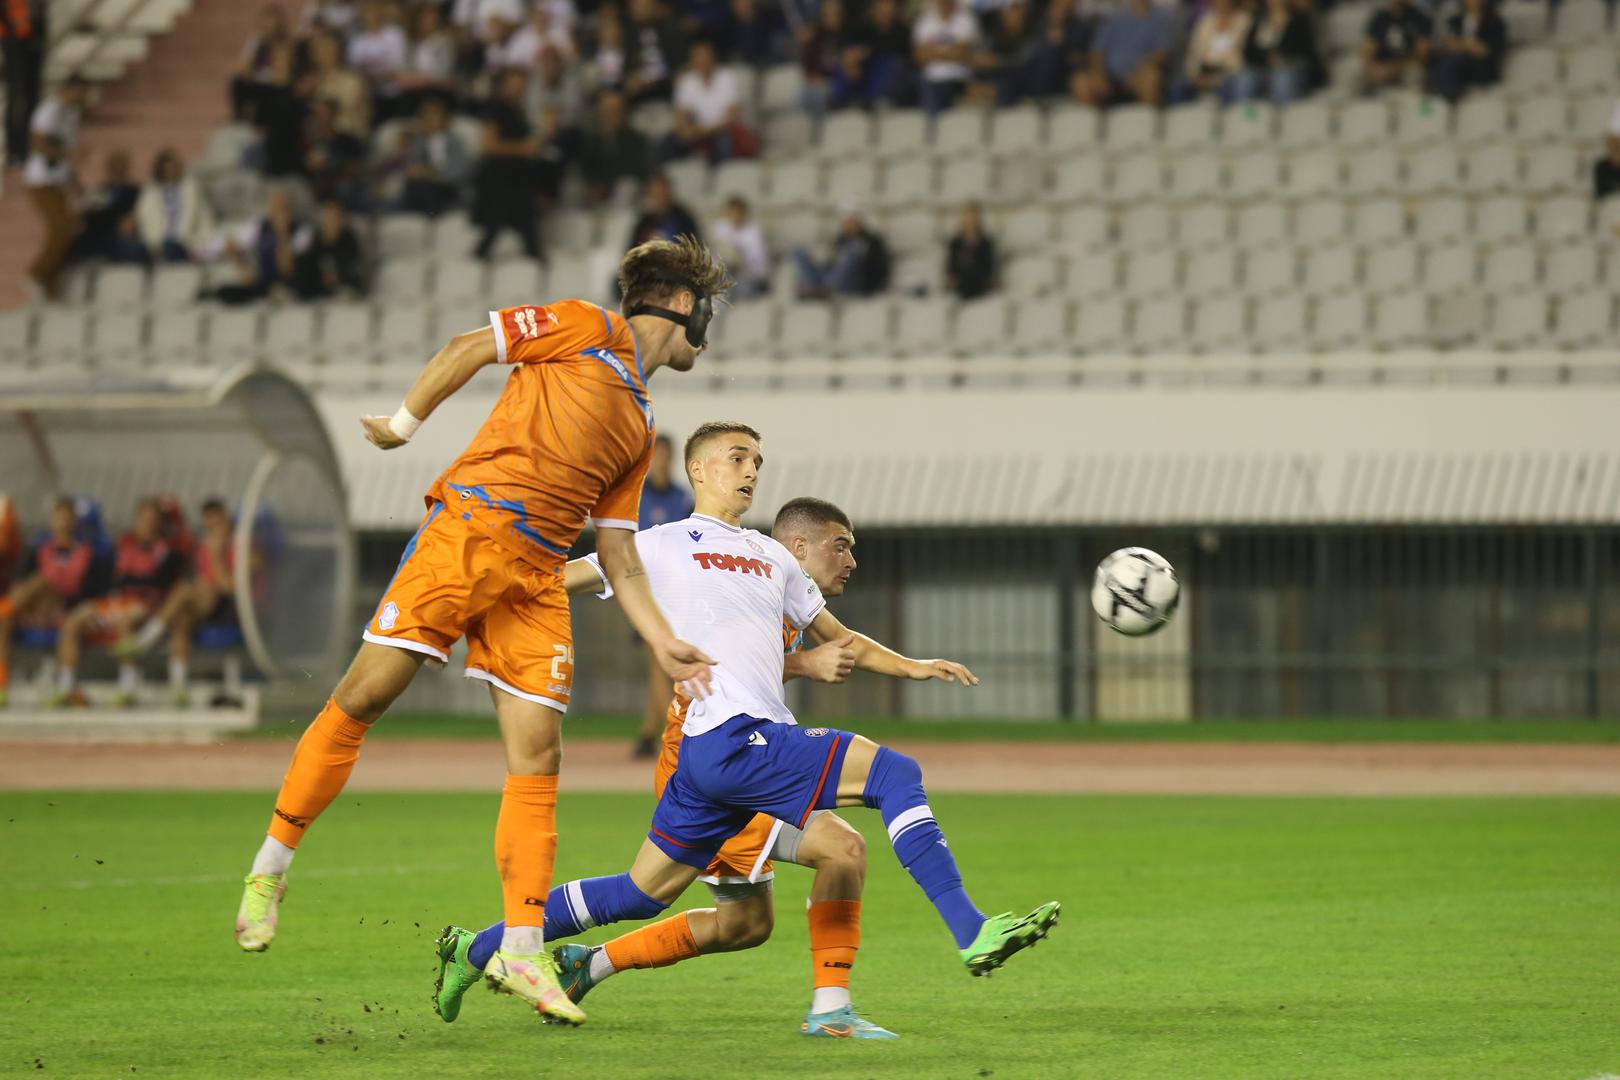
x,y
740,243
730,589
944,40
708,117
53,135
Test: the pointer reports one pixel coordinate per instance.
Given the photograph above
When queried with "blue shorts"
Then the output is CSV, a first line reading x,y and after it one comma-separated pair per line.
x,y
744,767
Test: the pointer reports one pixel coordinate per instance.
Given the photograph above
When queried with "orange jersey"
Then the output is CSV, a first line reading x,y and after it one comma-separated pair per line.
x,y
569,439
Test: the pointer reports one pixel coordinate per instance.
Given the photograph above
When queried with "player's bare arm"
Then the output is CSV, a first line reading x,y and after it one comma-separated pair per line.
x,y
448,371
683,662
579,576
829,663
876,657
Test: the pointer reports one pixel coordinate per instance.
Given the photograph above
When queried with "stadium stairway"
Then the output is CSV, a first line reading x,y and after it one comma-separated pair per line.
x,y
174,97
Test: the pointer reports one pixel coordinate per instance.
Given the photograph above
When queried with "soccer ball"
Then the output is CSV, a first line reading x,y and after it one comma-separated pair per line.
x,y
1135,591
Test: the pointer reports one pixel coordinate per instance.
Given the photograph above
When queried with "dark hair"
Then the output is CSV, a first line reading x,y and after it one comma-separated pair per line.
x,y
705,432
649,273
213,503
806,512
65,502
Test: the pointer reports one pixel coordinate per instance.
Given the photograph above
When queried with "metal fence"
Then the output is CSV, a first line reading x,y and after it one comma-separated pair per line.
x,y
1433,622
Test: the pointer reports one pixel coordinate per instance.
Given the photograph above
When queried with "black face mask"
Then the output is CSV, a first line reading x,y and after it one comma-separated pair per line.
x,y
696,323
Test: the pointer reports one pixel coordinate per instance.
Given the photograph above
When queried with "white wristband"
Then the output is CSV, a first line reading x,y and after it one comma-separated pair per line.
x,y
404,424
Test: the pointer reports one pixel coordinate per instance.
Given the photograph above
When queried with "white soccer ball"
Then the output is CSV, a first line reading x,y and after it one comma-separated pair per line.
x,y
1135,591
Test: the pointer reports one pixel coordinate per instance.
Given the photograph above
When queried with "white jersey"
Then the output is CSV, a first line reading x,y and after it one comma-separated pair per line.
x,y
728,590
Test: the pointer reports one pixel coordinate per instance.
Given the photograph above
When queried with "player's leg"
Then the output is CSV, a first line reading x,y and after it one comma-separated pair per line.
x,y
23,599
181,623
78,623
188,602
891,783
117,625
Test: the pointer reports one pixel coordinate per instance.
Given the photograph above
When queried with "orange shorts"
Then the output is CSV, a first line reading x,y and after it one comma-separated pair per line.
x,y
453,582
740,859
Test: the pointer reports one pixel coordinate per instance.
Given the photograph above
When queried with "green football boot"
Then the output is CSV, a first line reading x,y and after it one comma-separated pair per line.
x,y
260,912
1004,934
456,974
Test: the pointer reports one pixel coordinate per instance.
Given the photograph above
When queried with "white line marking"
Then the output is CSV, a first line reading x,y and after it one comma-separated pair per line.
x,y
216,879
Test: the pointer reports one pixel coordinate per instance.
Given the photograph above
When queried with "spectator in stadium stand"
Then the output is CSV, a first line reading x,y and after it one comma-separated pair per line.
x,y
613,149
106,222
1129,55
1606,172
708,111
970,258
1470,52
739,241
608,58
1002,70
1395,46
558,148
171,214
334,161
749,36
282,109
504,188
145,567
1213,60
654,48
326,260
556,85
379,49
54,576
48,175
1062,48
337,16
858,266
436,162
823,46
662,218
430,58
546,32
944,38
255,68
343,86
880,51
1280,61
262,252
22,54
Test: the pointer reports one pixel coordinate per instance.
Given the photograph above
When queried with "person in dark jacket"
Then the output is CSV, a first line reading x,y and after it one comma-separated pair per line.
x,y
505,197
970,261
663,218
1470,52
328,259
859,265
1280,60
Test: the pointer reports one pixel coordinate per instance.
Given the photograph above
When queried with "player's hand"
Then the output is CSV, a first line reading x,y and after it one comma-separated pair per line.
x,y
944,671
687,665
379,434
831,662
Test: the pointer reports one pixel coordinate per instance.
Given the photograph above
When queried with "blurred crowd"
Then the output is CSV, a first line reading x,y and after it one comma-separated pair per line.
x,y
493,106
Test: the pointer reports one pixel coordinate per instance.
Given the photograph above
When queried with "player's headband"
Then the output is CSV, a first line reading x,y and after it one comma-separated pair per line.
x,y
696,323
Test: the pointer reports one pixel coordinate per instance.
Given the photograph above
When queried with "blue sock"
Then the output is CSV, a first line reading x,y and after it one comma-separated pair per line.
x,y
894,788
574,908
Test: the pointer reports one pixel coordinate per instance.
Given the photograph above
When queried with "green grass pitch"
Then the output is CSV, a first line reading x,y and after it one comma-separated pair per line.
x,y
1202,937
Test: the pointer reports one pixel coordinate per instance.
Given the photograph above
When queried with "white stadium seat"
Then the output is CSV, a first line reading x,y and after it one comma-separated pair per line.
x,y
902,133
866,328
1554,170
845,134
120,286
1138,176
1248,125
1190,127
1313,173
1261,224
1437,220
1020,129
1421,121
1330,269
1080,177
1449,267
1159,324
1028,228
1256,174
1401,320
1305,125
960,131
1363,124
1093,273
1392,268
923,327
1568,217
1541,119
1340,322
346,332
1203,225
1372,174
806,329
1100,325
981,327
747,329
1150,273
1080,227
1570,268
1518,320
1145,226
1032,275
1272,270
1218,323
1509,267
1434,170
1585,320
1482,117
1073,127
1211,272
1041,326
1500,218
1280,323
1197,176
1377,221
1131,127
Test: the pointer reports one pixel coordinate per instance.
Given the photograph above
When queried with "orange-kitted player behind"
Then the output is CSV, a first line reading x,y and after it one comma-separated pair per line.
x,y
569,440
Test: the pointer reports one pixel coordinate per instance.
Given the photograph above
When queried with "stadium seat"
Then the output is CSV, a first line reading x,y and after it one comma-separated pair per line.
x,y
909,183
1315,172
923,327
805,330
865,328
1040,326
1576,22
1482,117
1346,24
901,133
454,236
402,236
1080,227
966,179
1589,115
1248,125
175,285
1137,177
120,286
1450,267
920,273
1340,322
1518,320
1401,320
1421,121
780,87
16,337
1373,174
789,135
800,227
1079,178
1585,320
1150,273
1280,323
118,337
1555,170
852,182
1437,220
1591,67
960,132
1017,130
1434,170
1530,70
1541,119
1392,268
1256,174
1500,218
1330,269
1197,176
1363,123
917,229
516,281
1131,127
981,327
1270,270
1218,323
746,329
289,332
1093,272
1509,267
1211,272
1608,224
1570,268
176,335
403,280
1159,324
1320,221
1032,275
460,281
346,332
227,148
1028,228
1378,221
1073,128
795,184
407,334
1100,325
1144,226
1567,217
1203,225
1305,125
741,178
233,336
1191,127
1262,224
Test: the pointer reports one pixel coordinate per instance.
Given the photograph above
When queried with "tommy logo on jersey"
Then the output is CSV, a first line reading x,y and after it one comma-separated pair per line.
x,y
737,564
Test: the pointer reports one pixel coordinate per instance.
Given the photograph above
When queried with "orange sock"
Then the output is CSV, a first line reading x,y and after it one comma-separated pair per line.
x,y
320,767
666,942
526,846
835,935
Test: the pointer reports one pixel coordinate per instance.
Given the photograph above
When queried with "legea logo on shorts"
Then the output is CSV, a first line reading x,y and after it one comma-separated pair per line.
x,y
389,616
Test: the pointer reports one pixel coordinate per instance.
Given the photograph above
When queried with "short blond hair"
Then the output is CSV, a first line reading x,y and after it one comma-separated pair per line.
x,y
705,432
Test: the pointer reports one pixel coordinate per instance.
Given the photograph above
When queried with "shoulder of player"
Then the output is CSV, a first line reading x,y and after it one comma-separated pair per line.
x,y
773,547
